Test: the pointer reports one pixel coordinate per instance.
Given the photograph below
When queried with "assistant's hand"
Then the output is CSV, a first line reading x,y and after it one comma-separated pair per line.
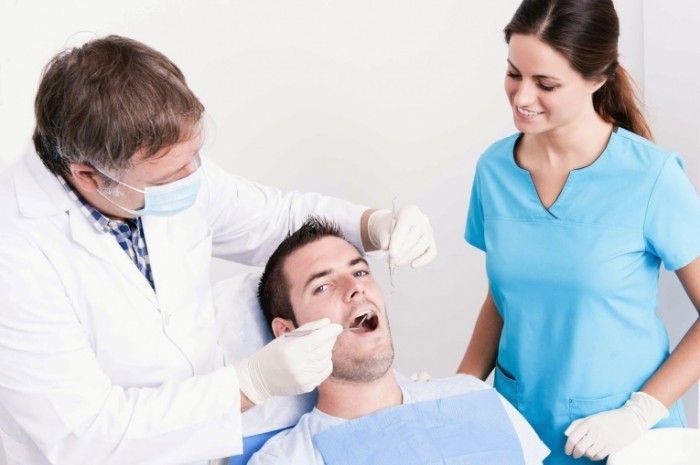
x,y
420,376
599,435
407,235
289,365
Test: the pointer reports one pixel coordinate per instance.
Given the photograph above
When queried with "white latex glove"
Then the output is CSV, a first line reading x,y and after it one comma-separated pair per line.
x,y
599,435
421,376
407,235
289,365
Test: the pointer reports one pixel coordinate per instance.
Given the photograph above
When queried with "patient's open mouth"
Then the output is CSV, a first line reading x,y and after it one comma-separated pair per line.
x,y
365,322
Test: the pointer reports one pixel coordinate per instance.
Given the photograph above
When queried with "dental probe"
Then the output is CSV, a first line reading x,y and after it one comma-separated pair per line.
x,y
304,332
393,225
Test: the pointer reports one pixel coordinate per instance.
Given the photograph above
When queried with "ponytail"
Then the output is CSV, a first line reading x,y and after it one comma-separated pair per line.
x,y
617,103
585,32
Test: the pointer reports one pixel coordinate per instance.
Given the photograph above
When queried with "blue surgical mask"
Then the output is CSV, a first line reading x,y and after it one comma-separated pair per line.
x,y
166,199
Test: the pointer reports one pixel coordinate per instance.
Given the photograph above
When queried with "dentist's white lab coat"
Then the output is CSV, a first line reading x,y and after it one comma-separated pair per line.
x,y
96,367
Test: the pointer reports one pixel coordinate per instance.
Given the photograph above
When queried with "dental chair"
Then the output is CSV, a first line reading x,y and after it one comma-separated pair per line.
x,y
661,446
242,331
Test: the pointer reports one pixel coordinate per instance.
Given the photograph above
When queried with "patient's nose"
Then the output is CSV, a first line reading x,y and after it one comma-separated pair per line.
x,y
354,289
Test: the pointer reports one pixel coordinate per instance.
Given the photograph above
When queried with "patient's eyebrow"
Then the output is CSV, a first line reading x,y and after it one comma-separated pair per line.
x,y
323,273
359,260
315,276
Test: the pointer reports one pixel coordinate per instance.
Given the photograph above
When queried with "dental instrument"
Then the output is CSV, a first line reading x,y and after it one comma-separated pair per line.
x,y
357,325
393,225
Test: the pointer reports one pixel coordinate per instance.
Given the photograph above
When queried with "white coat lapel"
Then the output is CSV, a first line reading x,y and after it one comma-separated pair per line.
x,y
163,250
40,194
180,250
167,242
105,246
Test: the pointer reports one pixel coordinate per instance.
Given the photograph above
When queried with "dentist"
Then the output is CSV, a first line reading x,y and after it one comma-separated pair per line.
x,y
108,345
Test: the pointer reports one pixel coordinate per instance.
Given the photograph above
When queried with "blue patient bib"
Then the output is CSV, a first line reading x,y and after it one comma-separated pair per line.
x,y
470,429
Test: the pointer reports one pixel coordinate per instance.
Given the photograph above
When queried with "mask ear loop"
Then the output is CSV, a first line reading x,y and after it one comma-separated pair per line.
x,y
119,182
128,210
104,196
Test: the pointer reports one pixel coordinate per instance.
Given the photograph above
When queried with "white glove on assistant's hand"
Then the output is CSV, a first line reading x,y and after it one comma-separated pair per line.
x,y
421,376
599,435
407,235
289,365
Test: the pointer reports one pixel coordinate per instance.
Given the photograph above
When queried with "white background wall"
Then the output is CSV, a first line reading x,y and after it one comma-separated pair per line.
x,y
365,100
672,92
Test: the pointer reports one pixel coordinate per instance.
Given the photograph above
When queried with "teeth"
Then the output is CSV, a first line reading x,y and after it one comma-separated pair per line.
x,y
361,315
363,320
528,112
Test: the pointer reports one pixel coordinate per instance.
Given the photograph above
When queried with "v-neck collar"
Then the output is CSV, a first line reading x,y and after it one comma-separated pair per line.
x,y
556,208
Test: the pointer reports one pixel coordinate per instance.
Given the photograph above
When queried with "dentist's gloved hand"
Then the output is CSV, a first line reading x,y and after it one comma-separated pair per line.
x,y
289,365
599,435
407,236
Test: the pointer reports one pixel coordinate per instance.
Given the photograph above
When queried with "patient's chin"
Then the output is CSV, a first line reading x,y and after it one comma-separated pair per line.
x,y
347,367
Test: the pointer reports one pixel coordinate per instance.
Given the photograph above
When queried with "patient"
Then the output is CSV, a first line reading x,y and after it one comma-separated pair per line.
x,y
363,413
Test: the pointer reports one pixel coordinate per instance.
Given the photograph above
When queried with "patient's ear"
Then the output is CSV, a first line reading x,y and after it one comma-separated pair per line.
x,y
281,326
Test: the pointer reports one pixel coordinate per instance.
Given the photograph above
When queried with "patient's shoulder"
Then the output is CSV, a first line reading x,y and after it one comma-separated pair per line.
x,y
295,445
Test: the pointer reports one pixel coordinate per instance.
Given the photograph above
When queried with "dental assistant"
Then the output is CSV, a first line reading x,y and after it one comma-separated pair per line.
x,y
108,345
576,212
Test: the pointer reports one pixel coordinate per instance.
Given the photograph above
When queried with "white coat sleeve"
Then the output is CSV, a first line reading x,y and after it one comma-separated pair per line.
x,y
53,389
249,220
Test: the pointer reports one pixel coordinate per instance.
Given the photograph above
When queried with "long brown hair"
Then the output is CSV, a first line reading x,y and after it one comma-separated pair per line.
x,y
586,33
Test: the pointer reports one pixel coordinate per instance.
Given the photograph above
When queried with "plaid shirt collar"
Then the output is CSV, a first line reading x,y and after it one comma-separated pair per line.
x,y
128,233
97,219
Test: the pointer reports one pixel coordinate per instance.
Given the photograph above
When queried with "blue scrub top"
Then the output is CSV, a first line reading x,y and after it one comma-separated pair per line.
x,y
576,284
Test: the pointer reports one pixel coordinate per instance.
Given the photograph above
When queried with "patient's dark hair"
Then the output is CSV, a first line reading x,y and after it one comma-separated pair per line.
x,y
273,291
